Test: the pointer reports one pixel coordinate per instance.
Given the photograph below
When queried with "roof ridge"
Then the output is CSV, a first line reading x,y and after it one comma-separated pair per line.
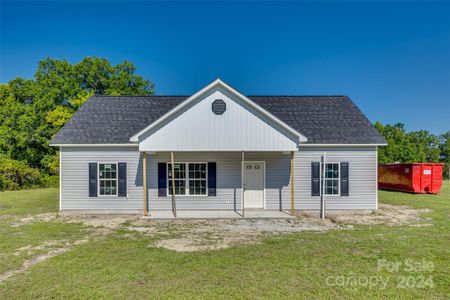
x,y
303,96
117,96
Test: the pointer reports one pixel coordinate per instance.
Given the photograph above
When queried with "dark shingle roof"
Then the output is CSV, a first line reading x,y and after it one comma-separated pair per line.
x,y
322,119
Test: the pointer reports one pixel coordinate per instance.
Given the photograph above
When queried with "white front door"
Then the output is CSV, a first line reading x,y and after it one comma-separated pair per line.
x,y
254,184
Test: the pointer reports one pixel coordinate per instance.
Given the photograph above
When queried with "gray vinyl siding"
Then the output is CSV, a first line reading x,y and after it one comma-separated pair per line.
x,y
228,176
74,181
362,179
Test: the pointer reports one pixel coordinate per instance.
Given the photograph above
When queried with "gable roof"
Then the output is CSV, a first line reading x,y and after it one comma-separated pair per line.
x,y
322,119
219,83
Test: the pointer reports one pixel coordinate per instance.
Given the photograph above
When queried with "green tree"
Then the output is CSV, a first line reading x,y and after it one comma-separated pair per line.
x,y
16,174
444,148
33,111
406,147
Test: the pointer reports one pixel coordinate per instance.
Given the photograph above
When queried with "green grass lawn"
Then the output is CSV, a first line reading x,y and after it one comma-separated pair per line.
x,y
301,265
29,202
13,235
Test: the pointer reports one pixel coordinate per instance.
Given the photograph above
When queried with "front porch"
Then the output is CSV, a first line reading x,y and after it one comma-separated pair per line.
x,y
235,185
218,214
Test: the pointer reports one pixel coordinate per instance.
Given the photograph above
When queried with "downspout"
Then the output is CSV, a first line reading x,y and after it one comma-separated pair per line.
x,y
322,198
292,184
242,183
376,177
60,179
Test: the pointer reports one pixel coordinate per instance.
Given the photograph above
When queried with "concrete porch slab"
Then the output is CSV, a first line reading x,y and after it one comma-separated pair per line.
x,y
217,214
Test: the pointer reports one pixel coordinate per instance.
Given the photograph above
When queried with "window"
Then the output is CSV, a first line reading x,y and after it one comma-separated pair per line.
x,y
332,179
180,178
190,178
197,179
107,179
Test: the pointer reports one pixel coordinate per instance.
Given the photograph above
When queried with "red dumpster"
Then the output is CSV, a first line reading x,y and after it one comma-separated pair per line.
x,y
413,178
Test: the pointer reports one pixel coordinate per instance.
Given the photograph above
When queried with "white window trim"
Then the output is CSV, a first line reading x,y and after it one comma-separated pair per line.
x,y
98,178
338,179
187,178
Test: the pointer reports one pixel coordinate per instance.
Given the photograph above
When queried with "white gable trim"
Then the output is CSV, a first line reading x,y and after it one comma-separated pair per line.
x,y
342,145
95,145
218,82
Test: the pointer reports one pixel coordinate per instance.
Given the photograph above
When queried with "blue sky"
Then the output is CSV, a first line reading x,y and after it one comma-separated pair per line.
x,y
392,59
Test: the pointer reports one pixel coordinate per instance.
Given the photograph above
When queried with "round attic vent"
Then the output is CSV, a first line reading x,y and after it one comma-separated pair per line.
x,y
219,106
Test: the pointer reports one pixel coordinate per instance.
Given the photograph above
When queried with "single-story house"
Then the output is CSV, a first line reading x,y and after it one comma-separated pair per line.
x,y
218,150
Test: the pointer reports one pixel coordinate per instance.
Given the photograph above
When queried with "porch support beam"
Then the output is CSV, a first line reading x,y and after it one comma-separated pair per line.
x,y
292,184
174,205
144,182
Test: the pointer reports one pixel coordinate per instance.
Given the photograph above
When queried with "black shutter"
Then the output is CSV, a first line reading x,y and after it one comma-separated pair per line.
x,y
162,180
344,179
92,179
212,179
315,179
122,179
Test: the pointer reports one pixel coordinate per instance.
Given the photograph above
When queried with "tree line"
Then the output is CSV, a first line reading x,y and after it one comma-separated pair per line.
x,y
415,146
32,111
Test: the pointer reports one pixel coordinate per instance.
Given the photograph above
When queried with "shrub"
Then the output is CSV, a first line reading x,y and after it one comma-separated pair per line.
x,y
15,174
49,181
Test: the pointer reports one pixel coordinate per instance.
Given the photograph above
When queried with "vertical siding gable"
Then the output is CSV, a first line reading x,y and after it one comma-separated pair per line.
x,y
197,128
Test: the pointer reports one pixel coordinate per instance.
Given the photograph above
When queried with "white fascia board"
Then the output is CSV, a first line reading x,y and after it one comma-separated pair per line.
x,y
220,150
94,145
340,145
302,138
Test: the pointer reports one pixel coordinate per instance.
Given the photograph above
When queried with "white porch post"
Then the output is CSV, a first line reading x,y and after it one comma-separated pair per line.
x,y
144,182
174,205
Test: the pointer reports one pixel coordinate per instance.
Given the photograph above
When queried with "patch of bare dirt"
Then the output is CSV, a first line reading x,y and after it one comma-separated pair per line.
x,y
29,249
110,221
190,235
195,235
107,221
391,215
45,217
